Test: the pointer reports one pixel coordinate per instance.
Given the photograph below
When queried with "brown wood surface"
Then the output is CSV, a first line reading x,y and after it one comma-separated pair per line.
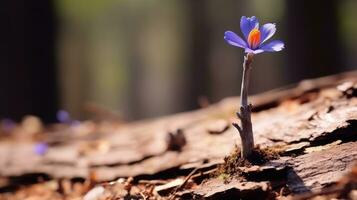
x,y
313,125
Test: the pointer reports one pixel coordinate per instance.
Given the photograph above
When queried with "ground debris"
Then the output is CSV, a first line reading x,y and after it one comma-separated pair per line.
x,y
236,166
164,189
235,189
176,140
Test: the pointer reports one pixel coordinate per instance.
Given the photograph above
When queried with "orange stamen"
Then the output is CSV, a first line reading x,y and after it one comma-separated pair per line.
x,y
254,38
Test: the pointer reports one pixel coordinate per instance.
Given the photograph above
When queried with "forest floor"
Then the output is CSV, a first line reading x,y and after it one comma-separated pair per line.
x,y
306,137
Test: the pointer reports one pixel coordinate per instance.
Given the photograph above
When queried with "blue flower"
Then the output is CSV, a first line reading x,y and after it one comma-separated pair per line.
x,y
255,37
63,116
41,149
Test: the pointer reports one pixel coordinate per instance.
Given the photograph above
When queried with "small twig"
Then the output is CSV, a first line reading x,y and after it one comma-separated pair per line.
x,y
143,195
203,173
237,127
153,182
239,115
245,130
184,182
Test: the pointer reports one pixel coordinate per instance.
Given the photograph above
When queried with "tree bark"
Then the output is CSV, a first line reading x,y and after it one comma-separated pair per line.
x,y
311,125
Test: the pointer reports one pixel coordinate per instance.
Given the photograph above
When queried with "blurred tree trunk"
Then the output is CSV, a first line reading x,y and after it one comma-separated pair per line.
x,y
199,81
313,45
28,73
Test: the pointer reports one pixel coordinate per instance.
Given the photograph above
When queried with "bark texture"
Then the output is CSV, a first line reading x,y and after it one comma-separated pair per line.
x,y
313,126
244,114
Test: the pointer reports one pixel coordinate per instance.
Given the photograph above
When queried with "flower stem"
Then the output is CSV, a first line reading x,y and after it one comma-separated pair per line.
x,y
245,129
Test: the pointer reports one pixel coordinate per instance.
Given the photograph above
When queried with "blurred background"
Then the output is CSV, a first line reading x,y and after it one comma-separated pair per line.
x,y
147,58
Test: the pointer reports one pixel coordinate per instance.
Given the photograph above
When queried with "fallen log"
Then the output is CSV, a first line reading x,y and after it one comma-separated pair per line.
x,y
312,126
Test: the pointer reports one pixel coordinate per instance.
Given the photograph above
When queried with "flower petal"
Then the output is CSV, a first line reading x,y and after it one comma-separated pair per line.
x,y
267,31
41,148
275,45
234,39
247,24
258,51
248,50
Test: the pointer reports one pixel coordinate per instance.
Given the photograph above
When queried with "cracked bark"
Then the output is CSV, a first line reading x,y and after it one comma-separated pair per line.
x,y
314,123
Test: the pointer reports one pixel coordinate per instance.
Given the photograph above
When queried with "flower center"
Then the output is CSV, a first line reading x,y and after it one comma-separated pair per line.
x,y
254,38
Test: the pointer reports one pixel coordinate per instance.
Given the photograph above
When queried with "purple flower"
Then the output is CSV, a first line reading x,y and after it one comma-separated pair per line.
x,y
7,125
40,149
63,116
254,36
